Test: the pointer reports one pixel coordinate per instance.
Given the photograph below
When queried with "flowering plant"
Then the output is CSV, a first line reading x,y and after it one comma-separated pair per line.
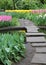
x,y
20,11
41,20
6,20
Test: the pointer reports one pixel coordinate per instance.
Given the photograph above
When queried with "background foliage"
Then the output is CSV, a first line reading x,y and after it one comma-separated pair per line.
x,y
22,4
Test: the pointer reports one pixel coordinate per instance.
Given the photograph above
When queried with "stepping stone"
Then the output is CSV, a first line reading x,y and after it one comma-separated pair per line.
x,y
39,59
38,44
35,34
41,50
26,22
35,39
31,29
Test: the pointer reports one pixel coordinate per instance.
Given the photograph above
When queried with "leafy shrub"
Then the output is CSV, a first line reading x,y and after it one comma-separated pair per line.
x,y
44,6
12,47
6,2
22,4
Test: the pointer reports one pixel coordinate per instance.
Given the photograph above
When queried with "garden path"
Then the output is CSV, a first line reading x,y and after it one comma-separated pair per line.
x,y
36,44
29,25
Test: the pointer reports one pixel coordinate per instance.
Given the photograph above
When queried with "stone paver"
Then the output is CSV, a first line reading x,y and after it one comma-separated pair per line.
x,y
35,39
31,29
38,44
39,59
35,34
41,50
25,22
29,25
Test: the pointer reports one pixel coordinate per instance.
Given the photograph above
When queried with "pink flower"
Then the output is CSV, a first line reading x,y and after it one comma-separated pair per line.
x,y
5,18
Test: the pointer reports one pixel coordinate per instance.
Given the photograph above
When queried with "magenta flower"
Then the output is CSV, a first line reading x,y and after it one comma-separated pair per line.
x,y
5,18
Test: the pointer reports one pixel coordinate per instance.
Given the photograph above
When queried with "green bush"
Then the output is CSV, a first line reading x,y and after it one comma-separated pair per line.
x,y
6,4
22,4
44,6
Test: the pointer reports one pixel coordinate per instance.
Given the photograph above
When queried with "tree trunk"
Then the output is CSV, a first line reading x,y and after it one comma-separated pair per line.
x,y
13,4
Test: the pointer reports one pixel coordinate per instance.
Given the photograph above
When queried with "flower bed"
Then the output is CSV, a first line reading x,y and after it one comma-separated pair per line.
x,y
6,20
29,11
40,20
20,11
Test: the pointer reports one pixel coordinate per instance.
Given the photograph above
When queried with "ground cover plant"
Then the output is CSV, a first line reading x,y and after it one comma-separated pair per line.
x,y
12,47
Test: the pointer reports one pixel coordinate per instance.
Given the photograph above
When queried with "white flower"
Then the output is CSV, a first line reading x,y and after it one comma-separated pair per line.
x,y
40,16
44,16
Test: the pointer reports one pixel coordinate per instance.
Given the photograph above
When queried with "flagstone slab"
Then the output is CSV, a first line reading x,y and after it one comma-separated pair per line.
x,y
38,44
41,50
25,22
35,39
29,25
35,34
39,59
31,29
